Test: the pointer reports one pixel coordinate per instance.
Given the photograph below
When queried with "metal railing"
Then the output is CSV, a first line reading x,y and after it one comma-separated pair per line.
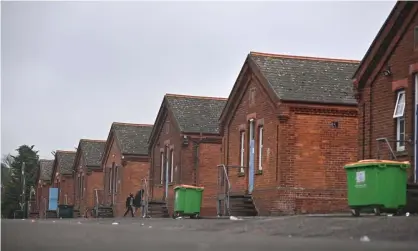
x,y
224,185
98,200
145,197
392,155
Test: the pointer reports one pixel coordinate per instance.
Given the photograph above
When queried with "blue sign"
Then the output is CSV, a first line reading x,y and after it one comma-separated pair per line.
x,y
53,199
251,168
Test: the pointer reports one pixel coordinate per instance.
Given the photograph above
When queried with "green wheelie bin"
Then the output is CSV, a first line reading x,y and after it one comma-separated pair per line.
x,y
187,201
378,185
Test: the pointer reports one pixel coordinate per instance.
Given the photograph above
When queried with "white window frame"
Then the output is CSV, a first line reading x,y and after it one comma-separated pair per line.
x,y
242,150
172,165
116,177
162,168
110,180
82,186
400,146
167,163
399,110
399,115
260,147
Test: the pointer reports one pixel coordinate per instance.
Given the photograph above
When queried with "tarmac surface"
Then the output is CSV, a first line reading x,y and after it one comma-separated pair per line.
x,y
344,233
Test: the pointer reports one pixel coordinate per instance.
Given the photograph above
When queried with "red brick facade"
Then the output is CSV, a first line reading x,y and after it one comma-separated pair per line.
x,y
123,173
42,198
87,178
194,160
301,168
380,78
85,186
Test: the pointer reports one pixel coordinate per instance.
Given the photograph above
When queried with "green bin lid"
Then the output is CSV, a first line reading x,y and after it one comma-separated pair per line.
x,y
188,187
378,162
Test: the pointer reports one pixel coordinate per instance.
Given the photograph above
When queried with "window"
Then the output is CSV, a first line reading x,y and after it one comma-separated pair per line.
x,y
79,186
82,186
400,105
110,180
399,115
241,155
252,96
172,165
116,177
260,147
162,169
167,164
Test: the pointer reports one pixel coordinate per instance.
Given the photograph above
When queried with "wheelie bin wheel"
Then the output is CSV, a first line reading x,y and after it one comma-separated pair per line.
x,y
355,212
376,211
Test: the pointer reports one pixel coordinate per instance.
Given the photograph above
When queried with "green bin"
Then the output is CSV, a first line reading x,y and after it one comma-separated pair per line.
x,y
65,211
187,201
378,185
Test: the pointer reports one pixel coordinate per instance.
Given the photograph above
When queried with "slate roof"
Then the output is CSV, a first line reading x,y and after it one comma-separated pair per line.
x,y
308,79
196,114
92,151
45,171
132,138
65,161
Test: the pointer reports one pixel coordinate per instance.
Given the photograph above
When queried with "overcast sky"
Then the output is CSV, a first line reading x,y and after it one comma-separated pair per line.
x,y
70,69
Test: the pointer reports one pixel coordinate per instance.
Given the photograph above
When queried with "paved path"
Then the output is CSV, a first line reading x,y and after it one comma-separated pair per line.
x,y
198,235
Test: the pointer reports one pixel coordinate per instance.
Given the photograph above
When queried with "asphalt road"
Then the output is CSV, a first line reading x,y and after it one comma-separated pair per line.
x,y
285,233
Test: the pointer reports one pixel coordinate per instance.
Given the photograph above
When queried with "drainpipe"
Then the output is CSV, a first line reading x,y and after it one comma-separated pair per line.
x,y
370,120
364,131
196,144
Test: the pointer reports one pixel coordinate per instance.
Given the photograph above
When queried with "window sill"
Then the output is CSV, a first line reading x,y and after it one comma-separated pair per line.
x,y
402,153
259,172
241,174
171,184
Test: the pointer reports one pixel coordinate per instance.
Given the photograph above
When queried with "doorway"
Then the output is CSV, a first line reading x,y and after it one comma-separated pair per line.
x,y
251,154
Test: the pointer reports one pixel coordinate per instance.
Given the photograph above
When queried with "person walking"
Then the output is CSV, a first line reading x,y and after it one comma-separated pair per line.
x,y
140,204
129,205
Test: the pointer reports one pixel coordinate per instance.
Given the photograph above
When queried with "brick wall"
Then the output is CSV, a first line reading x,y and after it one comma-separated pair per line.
x,y
186,169
66,194
93,180
42,199
377,102
209,158
130,177
302,158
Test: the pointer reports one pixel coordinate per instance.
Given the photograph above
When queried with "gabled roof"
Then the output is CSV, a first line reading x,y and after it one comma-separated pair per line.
x,y
45,169
192,114
92,151
64,161
384,42
132,139
308,79
195,114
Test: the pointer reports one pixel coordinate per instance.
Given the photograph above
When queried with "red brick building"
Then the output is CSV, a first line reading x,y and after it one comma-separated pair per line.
x,y
43,182
289,126
63,176
125,163
185,147
386,82
88,174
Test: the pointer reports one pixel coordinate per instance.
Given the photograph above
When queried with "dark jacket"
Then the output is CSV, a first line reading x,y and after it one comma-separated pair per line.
x,y
128,202
138,198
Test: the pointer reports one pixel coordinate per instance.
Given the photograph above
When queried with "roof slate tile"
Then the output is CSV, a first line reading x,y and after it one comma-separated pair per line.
x,y
196,114
132,138
45,172
307,79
